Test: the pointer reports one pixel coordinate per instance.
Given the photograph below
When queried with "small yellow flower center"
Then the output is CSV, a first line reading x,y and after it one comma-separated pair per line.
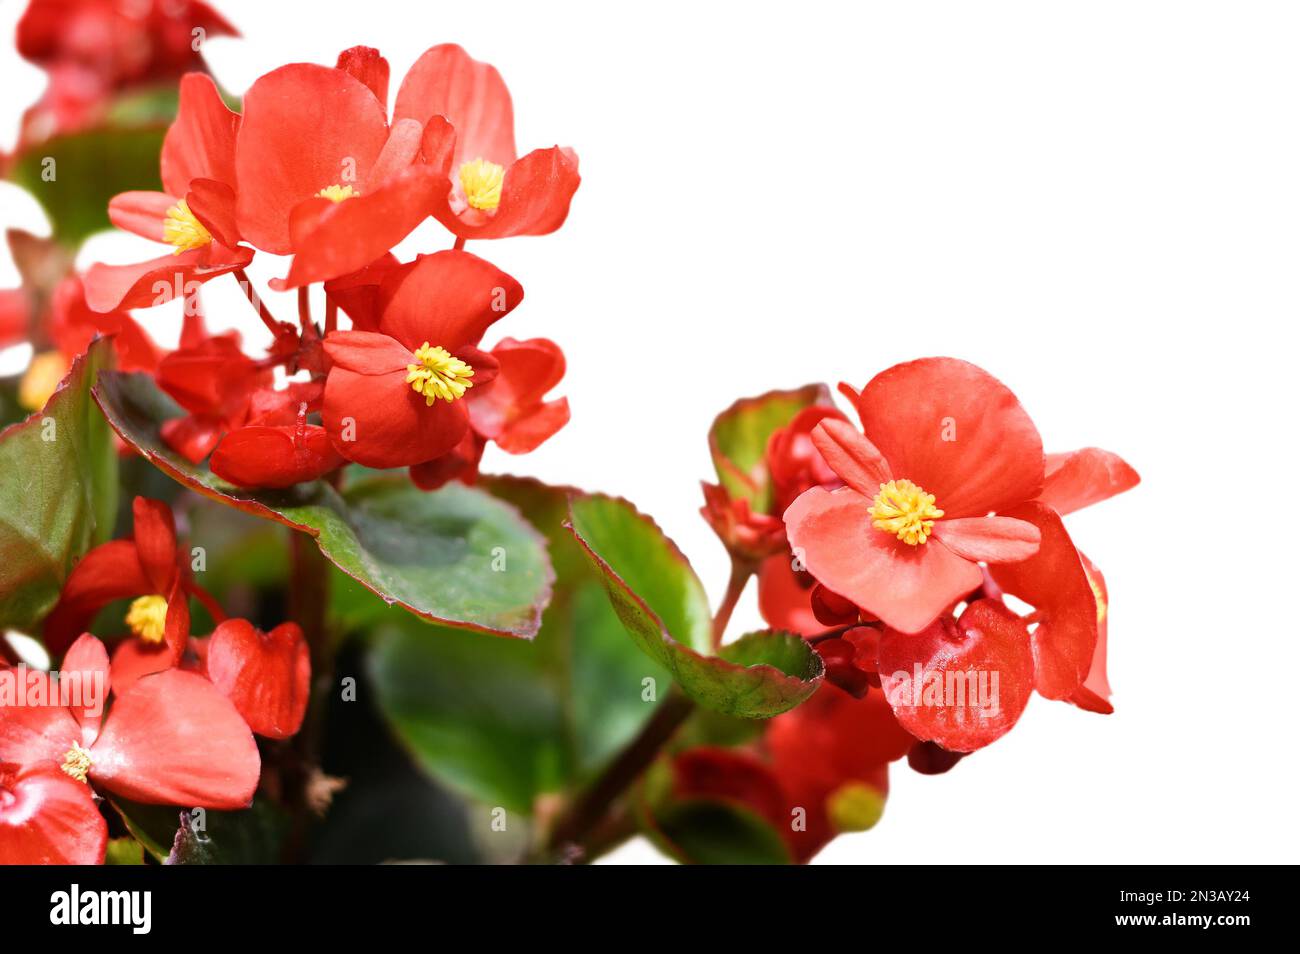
x,y
482,181
76,762
41,379
905,510
183,230
337,193
854,807
438,375
147,618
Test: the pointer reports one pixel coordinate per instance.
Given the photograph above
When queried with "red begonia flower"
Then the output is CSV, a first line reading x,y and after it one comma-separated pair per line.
x,y
119,42
149,568
469,140
48,818
510,410
196,213
961,682
171,739
277,447
214,381
73,325
1084,477
266,675
394,396
320,172
946,444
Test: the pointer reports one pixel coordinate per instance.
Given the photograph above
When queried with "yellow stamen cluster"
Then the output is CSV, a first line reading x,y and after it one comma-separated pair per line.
x,y
41,379
438,374
147,618
482,181
905,510
337,193
76,762
182,229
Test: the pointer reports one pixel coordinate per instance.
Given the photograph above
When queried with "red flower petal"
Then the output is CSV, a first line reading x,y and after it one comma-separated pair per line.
x,y
193,437
1055,583
343,237
266,675
852,457
154,534
446,81
368,66
1094,694
358,293
48,818
367,352
379,421
992,539
305,128
448,299
37,732
201,141
783,597
535,198
73,326
511,411
87,658
1084,477
141,213
133,659
159,280
110,571
173,739
956,431
274,456
961,683
213,204
905,586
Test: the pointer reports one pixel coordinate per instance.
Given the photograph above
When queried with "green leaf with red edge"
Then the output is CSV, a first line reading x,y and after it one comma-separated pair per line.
x,y
663,607
181,836
507,721
739,435
435,554
58,493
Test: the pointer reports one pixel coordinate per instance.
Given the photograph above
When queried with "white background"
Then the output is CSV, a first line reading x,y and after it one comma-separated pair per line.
x,y
1099,203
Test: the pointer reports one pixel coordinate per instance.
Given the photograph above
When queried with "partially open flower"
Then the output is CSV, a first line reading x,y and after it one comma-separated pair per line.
x,y
468,120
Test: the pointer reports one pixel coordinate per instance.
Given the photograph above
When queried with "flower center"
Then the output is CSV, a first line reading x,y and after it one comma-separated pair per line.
x,y
41,379
481,181
147,618
905,510
337,193
182,229
77,762
438,375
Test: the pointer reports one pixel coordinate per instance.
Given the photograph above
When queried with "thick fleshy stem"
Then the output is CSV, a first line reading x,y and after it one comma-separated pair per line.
x,y
741,571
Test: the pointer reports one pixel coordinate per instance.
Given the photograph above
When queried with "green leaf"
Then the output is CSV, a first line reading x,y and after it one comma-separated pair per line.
x,y
663,607
178,836
455,556
124,851
739,435
73,176
58,493
505,721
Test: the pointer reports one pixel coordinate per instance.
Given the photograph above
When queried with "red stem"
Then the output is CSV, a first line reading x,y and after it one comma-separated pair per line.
x,y
740,574
331,315
304,308
254,299
459,243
